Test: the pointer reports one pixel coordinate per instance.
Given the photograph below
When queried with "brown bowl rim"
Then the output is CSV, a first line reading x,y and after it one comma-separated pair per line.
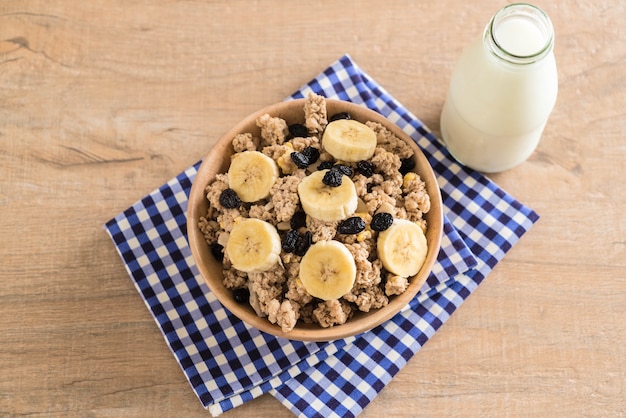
x,y
361,322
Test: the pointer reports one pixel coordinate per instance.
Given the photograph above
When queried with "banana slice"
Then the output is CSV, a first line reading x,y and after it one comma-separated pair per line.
x,y
324,202
328,270
402,248
253,245
349,140
251,175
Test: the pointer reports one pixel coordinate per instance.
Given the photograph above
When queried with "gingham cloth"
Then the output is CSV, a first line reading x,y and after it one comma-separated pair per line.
x,y
228,363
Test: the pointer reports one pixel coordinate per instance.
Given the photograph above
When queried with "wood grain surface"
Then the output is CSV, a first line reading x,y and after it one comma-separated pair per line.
x,y
102,101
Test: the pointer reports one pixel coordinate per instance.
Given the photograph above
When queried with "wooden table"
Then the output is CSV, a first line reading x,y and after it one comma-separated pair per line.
x,y
102,101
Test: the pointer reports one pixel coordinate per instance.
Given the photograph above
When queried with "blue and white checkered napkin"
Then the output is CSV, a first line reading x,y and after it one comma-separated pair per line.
x,y
228,363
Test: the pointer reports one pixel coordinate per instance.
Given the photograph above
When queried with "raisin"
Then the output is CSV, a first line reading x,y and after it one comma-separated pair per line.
x,y
300,159
365,167
333,178
304,242
381,221
352,225
407,165
344,169
217,251
241,295
298,220
342,115
325,165
289,241
229,199
313,154
297,130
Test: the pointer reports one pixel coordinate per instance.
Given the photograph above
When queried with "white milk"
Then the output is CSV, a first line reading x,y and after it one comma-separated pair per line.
x,y
502,91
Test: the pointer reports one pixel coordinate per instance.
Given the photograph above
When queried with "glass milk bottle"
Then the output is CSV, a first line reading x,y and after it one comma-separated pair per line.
x,y
502,91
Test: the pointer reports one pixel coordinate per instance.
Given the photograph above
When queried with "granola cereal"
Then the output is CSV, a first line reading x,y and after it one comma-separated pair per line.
x,y
273,130
278,292
245,142
315,117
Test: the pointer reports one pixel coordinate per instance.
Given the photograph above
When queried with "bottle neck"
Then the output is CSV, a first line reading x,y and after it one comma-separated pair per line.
x,y
519,34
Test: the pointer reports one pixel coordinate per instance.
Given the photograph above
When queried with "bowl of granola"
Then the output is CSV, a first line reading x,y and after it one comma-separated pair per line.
x,y
315,219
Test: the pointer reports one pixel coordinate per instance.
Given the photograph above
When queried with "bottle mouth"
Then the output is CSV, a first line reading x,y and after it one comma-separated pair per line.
x,y
520,33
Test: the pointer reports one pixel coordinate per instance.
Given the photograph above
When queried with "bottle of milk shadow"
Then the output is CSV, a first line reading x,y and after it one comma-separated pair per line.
x,y
502,90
